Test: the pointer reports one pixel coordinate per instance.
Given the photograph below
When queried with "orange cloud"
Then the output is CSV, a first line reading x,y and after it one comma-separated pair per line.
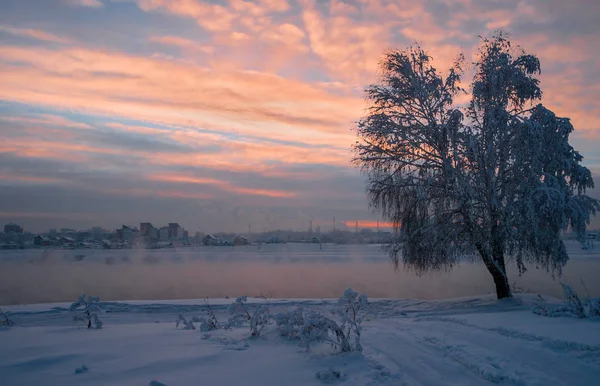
x,y
212,17
223,185
368,224
182,43
86,3
169,92
34,33
136,129
48,119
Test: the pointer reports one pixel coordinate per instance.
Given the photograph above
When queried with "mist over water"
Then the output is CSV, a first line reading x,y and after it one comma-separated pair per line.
x,y
284,270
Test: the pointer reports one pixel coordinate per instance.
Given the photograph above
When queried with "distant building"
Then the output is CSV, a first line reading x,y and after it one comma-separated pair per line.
x,y
12,228
42,241
149,231
174,231
127,233
163,234
66,241
240,240
210,240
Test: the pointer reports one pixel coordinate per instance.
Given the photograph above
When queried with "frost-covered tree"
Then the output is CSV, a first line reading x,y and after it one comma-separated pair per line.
x,y
87,310
495,179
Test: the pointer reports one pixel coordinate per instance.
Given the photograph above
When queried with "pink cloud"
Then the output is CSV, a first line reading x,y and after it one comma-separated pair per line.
x,y
136,129
221,184
35,34
182,43
178,93
86,3
47,119
212,17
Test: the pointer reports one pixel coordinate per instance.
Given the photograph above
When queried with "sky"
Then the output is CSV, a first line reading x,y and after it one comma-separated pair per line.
x,y
220,114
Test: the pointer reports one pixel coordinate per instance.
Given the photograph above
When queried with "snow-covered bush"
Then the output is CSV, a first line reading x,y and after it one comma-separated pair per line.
x,y
86,311
352,309
210,322
290,323
540,307
318,328
240,312
592,308
4,320
344,336
574,306
574,303
186,324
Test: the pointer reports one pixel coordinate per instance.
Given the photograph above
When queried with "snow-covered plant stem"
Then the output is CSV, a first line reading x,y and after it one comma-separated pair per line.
x,y
187,325
352,308
258,319
87,311
5,321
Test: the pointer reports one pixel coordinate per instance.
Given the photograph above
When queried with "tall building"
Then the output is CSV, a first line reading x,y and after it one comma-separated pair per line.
x,y
12,228
163,234
174,231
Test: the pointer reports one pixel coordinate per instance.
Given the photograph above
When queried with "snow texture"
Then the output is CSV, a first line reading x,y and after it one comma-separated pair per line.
x,y
466,341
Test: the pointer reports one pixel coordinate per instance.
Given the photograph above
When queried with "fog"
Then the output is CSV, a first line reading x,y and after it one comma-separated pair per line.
x,y
290,270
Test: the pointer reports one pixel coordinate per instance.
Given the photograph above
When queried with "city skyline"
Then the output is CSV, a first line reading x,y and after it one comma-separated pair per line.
x,y
224,113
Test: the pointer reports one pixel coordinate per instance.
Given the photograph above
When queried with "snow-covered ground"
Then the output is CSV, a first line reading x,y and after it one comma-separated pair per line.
x,y
466,341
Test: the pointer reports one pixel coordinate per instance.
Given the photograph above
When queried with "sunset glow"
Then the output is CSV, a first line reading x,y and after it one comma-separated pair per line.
x,y
222,113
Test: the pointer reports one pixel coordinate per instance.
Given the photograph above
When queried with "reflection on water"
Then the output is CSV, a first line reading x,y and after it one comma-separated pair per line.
x,y
285,270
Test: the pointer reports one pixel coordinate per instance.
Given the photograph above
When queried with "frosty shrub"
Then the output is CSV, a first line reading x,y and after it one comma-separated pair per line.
x,y
352,308
318,328
592,308
574,306
574,303
540,307
210,322
186,324
4,320
289,324
241,314
344,336
86,311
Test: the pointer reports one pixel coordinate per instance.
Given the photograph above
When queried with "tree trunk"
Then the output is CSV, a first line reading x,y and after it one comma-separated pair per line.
x,y
496,267
501,282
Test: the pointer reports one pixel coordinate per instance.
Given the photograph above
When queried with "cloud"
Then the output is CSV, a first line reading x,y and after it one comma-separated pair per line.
x,y
182,43
34,34
47,119
369,224
212,17
221,184
158,90
86,3
228,104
